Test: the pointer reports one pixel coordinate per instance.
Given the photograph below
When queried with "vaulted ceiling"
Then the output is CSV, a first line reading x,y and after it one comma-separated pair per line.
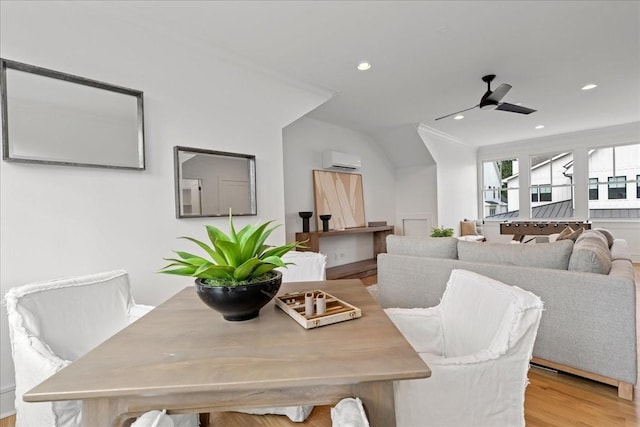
x,y
428,58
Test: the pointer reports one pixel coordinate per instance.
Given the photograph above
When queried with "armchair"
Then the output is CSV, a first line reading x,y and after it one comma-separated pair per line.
x,y
53,323
478,343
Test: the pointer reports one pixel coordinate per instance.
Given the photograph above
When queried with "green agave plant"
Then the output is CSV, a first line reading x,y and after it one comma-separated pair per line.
x,y
238,258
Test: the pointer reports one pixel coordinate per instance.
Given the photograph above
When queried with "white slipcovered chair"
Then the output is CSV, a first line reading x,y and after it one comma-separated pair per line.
x,y
53,323
478,343
304,267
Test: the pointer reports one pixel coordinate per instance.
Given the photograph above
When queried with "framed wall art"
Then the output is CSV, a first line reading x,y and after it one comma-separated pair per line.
x,y
339,195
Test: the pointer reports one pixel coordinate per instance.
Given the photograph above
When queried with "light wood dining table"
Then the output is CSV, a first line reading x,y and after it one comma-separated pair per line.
x,y
184,357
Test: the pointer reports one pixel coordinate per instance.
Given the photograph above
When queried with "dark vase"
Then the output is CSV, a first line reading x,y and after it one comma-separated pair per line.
x,y
305,215
325,221
242,302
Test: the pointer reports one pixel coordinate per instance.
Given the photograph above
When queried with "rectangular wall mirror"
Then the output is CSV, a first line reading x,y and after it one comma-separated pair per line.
x,y
58,118
209,183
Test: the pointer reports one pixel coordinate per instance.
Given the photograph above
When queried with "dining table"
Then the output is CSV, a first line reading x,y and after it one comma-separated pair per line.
x,y
184,357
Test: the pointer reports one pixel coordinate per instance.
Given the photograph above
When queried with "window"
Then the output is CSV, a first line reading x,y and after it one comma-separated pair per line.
x,y
500,188
541,193
593,188
613,173
545,193
617,187
551,189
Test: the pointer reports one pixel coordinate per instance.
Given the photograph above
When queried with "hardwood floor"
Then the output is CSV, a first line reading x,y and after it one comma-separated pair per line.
x,y
551,400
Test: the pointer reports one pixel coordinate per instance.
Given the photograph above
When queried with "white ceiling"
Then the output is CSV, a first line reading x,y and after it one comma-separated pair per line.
x,y
429,56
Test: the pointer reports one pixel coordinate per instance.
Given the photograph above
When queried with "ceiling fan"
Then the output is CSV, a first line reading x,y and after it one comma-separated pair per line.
x,y
491,100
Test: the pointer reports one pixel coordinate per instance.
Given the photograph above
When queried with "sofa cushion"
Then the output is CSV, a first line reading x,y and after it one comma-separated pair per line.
x,y
433,247
591,254
541,255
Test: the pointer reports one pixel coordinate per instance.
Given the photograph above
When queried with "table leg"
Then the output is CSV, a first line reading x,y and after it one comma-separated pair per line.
x,y
103,412
378,401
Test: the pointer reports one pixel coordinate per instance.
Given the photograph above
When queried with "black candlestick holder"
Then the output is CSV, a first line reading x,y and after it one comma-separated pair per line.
x,y
305,215
325,221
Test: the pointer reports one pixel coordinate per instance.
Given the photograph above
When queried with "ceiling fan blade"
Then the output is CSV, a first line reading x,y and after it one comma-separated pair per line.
x,y
457,112
499,93
505,106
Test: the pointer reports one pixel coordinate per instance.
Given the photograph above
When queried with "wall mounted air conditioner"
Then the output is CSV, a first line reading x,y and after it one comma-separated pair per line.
x,y
340,161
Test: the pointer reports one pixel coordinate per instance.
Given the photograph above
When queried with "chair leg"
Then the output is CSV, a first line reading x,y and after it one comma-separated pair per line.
x,y
204,419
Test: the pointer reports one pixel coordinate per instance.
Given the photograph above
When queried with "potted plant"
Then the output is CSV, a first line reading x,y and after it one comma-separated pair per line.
x,y
238,277
441,232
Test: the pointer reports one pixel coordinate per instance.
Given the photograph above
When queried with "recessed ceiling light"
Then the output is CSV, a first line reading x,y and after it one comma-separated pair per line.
x,y
539,126
458,117
364,66
589,86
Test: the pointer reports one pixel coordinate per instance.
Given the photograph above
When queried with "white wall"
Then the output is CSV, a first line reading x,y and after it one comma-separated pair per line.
x,y
57,221
416,200
579,143
304,142
457,178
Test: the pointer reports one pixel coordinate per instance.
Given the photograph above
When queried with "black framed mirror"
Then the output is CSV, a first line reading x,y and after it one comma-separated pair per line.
x,y
209,183
58,118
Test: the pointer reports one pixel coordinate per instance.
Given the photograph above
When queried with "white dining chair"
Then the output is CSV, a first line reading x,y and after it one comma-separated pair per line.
x,y
478,343
53,323
302,267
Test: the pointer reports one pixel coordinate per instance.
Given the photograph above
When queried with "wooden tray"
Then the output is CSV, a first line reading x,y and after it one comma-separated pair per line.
x,y
336,309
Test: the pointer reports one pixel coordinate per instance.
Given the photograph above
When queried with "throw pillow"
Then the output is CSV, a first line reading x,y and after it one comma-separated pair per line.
x,y
564,233
570,234
468,228
591,254
607,234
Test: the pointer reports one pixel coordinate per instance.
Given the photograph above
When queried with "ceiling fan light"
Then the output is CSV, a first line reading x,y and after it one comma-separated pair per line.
x,y
489,106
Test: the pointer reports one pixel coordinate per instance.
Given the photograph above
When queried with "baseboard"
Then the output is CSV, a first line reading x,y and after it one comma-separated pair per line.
x,y
7,401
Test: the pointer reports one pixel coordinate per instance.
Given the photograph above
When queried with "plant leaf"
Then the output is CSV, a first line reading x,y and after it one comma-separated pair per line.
x,y
245,270
217,271
184,271
263,269
212,253
263,237
230,251
278,250
251,241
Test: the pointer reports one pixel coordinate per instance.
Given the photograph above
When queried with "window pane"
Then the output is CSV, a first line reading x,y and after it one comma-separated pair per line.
x,y
614,171
593,188
551,188
617,187
500,189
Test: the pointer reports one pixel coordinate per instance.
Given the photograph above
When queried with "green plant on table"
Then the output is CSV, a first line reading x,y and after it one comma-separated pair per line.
x,y
237,258
441,232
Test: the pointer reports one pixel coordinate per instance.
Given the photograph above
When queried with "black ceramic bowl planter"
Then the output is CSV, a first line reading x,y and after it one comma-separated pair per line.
x,y
243,302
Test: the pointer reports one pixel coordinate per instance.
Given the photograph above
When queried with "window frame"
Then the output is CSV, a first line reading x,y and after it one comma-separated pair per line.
x,y
615,182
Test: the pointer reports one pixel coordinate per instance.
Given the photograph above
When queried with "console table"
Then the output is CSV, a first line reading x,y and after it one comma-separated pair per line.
x,y
354,270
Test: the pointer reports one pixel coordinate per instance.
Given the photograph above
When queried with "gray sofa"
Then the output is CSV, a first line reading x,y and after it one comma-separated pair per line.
x,y
588,327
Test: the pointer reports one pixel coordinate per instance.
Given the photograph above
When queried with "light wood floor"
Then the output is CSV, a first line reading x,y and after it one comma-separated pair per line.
x,y
552,399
